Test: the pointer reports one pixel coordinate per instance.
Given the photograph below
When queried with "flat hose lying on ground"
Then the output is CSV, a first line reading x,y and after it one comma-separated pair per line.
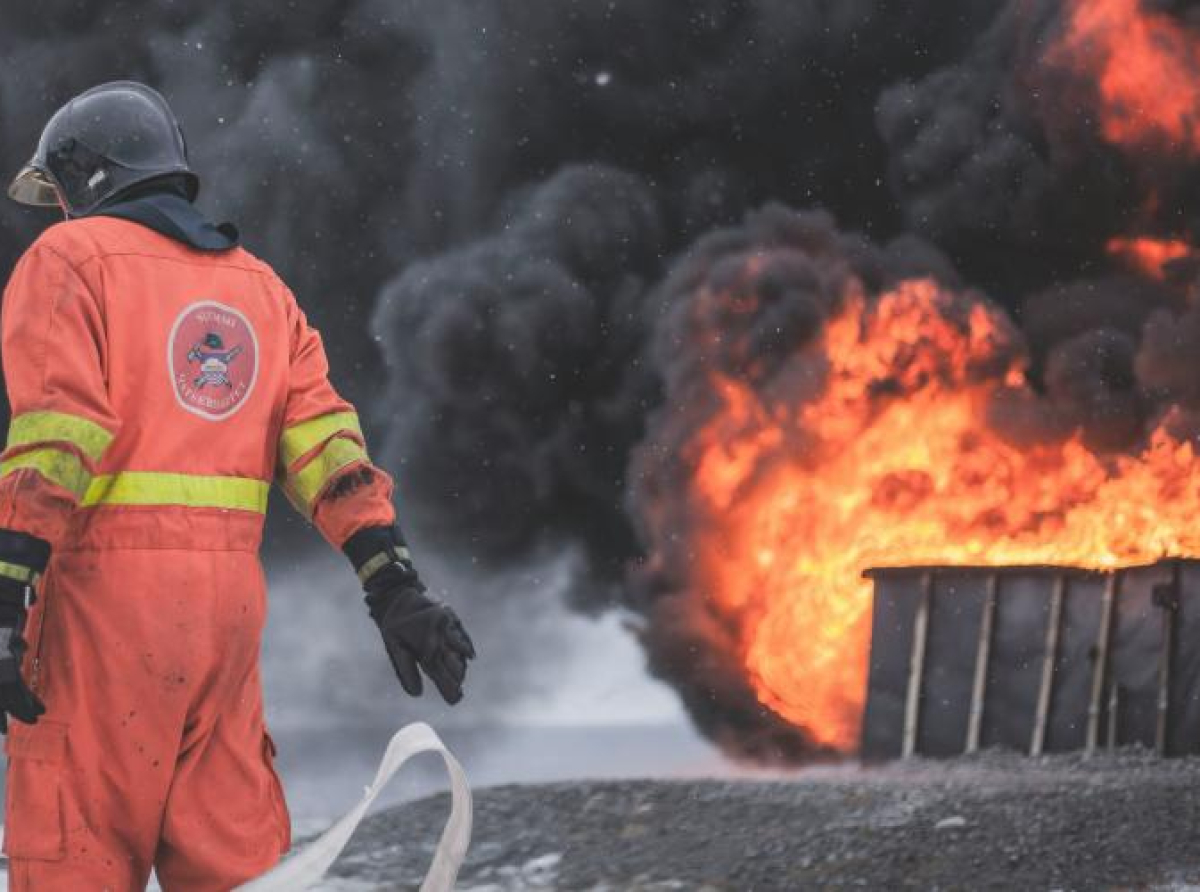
x,y
301,870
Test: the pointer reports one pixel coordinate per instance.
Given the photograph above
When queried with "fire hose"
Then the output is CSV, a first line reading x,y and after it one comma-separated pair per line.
x,y
306,867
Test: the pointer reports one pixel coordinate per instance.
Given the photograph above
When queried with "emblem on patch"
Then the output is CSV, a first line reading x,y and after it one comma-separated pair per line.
x,y
213,358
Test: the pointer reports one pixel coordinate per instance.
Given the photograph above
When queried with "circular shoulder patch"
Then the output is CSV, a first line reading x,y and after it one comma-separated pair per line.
x,y
212,355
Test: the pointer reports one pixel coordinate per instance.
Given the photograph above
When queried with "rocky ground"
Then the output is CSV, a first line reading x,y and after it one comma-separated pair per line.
x,y
1124,821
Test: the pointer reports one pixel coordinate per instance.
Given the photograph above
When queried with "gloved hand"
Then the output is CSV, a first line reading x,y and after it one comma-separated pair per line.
x,y
421,635
419,632
16,699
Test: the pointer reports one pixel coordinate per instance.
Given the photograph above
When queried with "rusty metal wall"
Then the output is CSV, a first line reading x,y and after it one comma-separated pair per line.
x,y
1037,659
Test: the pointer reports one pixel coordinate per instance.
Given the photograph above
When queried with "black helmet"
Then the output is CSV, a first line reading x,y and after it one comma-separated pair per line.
x,y
99,144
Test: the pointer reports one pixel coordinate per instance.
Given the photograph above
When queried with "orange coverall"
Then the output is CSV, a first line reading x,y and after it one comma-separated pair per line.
x,y
156,392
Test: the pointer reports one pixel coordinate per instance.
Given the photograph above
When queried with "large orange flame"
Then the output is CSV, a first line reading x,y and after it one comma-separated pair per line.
x,y
1146,66
893,462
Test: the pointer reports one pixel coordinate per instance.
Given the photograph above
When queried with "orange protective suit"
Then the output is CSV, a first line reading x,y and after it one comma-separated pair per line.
x,y
156,392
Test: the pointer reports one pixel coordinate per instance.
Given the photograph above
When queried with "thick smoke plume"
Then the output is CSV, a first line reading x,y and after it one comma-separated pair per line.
x,y
518,386
504,217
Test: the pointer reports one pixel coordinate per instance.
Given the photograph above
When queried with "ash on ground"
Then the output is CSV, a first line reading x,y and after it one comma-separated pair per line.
x,y
1118,821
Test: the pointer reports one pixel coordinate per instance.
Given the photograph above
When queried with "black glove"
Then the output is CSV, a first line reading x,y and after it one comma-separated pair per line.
x,y
15,697
420,634
22,558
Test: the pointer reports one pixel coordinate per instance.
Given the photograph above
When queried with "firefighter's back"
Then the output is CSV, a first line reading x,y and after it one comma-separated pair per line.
x,y
195,349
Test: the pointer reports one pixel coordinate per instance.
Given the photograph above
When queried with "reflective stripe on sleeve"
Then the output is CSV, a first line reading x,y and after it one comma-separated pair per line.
x,y
381,560
304,486
57,465
18,572
188,490
301,438
34,428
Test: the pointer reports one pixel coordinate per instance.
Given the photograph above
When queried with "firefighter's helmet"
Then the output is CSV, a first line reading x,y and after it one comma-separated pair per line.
x,y
100,144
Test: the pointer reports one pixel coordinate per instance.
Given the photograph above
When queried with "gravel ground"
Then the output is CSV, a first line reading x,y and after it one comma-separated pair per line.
x,y
995,821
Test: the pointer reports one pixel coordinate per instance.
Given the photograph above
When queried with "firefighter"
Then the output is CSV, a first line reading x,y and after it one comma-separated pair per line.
x,y
160,377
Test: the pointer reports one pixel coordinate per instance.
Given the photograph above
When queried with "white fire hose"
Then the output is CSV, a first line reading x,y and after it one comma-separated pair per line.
x,y
301,870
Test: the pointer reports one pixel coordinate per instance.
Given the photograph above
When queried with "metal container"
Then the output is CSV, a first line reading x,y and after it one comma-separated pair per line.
x,y
1037,659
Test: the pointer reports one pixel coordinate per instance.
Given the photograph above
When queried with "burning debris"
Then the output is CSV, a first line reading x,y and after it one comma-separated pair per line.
x,y
826,412
825,415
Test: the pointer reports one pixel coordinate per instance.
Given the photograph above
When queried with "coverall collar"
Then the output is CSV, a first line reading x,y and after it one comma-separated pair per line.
x,y
174,216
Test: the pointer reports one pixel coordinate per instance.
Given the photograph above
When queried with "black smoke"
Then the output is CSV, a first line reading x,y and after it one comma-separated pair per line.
x,y
547,119
1002,155
518,386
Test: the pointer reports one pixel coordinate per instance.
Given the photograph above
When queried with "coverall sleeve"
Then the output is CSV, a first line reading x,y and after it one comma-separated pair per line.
x,y
54,352
323,463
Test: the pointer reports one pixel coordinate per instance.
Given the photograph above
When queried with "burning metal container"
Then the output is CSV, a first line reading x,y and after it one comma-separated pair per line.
x,y
1039,659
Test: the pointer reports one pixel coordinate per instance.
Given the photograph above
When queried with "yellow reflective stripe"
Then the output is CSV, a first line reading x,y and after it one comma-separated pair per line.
x,y
188,490
31,428
381,560
56,465
15,571
307,435
304,486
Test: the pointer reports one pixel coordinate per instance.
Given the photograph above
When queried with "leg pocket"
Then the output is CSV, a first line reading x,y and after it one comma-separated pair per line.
x,y
281,812
33,825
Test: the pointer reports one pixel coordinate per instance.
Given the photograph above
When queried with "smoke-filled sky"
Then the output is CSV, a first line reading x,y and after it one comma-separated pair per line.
x,y
505,211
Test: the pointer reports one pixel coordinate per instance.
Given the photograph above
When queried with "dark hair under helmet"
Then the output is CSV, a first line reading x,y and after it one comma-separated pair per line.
x,y
101,143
